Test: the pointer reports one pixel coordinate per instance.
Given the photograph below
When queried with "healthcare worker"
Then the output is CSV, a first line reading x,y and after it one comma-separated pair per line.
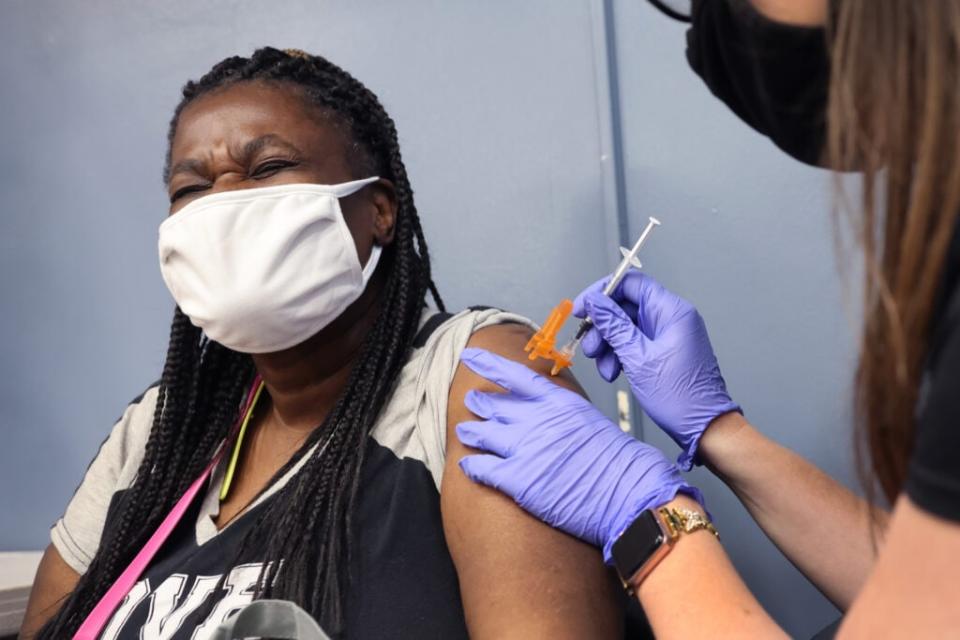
x,y
866,84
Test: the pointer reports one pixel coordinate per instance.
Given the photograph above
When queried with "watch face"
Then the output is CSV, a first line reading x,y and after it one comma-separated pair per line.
x,y
637,544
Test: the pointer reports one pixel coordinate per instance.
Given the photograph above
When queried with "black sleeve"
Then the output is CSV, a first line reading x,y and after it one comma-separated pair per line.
x,y
933,479
773,76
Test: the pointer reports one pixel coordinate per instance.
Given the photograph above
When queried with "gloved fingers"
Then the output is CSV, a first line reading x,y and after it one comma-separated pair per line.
x,y
579,310
657,306
482,468
487,435
477,403
506,373
633,288
592,344
608,365
613,324
514,408
636,287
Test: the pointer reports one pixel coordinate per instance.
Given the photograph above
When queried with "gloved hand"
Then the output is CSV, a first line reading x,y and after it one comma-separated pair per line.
x,y
665,354
558,457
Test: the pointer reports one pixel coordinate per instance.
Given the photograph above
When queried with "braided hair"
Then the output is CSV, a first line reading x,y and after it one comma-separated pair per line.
x,y
203,383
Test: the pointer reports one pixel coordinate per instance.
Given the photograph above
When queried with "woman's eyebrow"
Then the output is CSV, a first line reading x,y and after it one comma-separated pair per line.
x,y
187,166
248,151
256,145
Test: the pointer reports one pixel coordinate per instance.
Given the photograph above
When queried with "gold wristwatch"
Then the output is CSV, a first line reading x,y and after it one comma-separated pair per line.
x,y
650,538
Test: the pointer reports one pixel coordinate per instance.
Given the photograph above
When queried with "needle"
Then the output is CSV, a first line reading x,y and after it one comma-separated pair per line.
x,y
629,260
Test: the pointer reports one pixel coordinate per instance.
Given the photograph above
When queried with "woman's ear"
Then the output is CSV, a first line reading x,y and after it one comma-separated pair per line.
x,y
383,195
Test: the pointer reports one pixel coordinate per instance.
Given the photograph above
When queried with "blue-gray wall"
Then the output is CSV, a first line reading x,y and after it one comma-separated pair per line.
x,y
504,111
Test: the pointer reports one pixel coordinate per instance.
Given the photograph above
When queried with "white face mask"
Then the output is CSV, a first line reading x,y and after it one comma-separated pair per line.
x,y
262,270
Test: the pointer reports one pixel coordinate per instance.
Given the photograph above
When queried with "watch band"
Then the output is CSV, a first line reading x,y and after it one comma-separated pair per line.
x,y
672,522
680,520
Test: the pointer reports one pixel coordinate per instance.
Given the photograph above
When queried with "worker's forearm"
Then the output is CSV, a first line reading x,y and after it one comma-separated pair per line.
x,y
696,593
822,527
801,13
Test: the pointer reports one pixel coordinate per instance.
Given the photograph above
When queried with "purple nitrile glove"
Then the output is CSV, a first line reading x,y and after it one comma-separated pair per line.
x,y
665,354
558,457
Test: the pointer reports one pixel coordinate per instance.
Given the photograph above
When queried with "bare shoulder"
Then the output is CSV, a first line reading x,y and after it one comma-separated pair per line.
x,y
508,340
518,577
54,582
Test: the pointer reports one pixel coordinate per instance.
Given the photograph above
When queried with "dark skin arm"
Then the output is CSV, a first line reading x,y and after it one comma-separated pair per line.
x,y
54,581
519,578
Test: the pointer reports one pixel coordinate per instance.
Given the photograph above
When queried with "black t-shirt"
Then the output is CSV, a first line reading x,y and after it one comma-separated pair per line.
x,y
775,78
405,584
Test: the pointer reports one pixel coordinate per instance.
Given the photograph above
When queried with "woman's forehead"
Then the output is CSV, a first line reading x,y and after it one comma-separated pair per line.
x,y
243,111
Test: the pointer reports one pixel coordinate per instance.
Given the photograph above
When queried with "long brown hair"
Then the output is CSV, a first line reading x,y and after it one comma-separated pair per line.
x,y
894,114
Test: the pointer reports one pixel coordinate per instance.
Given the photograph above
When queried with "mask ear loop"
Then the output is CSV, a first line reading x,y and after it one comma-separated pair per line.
x,y
371,266
345,189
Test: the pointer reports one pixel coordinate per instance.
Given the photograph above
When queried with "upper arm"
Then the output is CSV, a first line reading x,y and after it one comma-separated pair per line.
x,y
76,535
518,577
54,581
912,591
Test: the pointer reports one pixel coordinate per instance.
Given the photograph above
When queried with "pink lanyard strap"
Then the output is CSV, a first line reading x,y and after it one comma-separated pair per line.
x,y
102,613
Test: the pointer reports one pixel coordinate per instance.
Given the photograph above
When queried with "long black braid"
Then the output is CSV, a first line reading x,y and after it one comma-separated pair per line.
x,y
203,383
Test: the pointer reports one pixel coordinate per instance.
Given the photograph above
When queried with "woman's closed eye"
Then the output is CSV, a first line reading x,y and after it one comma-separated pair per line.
x,y
269,168
262,171
187,190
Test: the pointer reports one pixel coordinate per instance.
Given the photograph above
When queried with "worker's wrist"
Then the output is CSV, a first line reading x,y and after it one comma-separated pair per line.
x,y
679,519
722,443
666,495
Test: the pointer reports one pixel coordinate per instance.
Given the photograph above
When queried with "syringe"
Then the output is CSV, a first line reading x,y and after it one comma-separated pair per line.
x,y
629,260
